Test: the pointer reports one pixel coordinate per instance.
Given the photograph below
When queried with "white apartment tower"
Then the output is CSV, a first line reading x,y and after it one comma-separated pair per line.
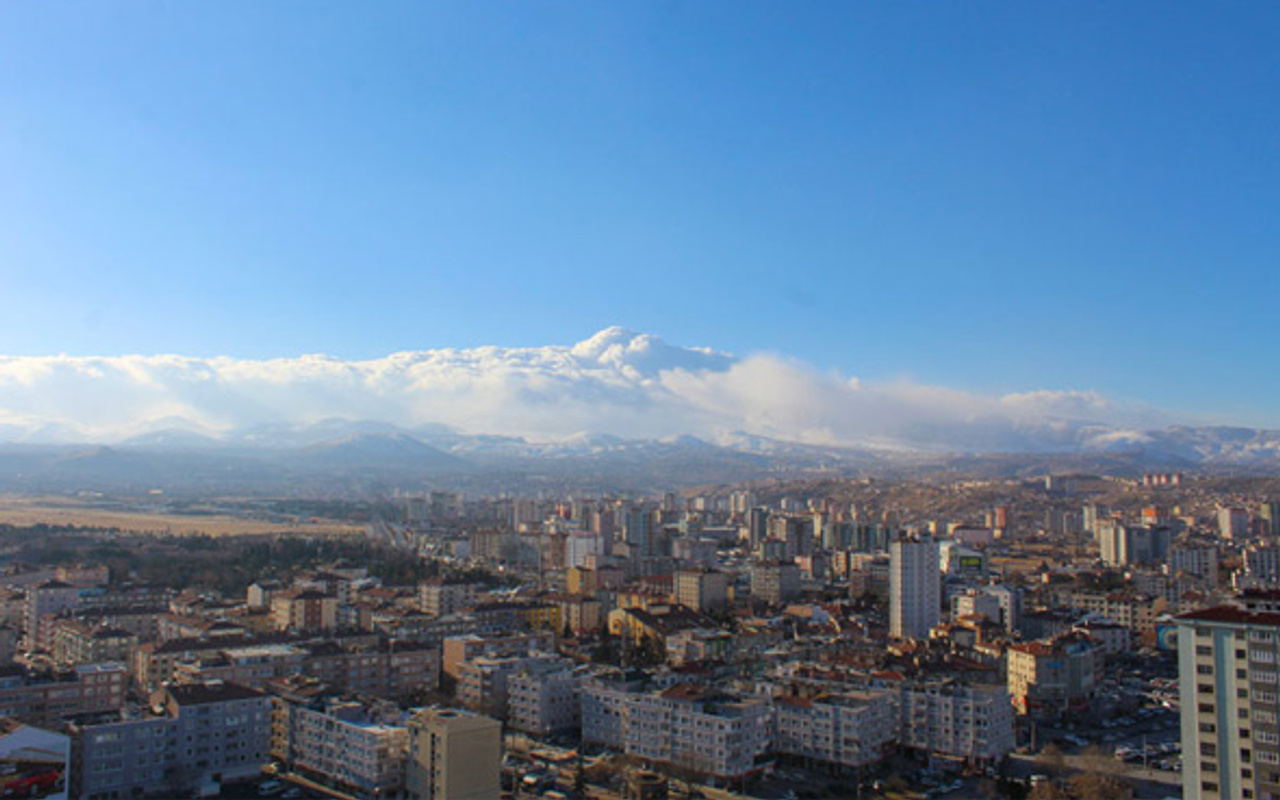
x,y
914,586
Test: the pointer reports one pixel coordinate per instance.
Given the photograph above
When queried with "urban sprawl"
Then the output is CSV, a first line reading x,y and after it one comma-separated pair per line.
x,y
1055,636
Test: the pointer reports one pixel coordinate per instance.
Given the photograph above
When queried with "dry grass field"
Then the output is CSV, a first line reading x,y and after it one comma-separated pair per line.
x,y
61,511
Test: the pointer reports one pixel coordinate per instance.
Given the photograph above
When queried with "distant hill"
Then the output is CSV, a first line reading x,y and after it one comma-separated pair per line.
x,y
375,451
339,456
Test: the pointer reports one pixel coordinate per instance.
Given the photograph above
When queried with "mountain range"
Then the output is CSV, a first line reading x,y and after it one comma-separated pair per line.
x,y
620,409
373,456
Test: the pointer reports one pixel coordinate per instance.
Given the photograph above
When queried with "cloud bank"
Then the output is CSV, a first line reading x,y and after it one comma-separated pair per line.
x,y
617,382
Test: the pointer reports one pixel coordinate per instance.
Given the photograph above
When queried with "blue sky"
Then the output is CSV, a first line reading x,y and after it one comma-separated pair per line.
x,y
992,197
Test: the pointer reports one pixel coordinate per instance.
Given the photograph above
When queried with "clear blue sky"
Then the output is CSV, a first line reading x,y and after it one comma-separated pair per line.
x,y
992,196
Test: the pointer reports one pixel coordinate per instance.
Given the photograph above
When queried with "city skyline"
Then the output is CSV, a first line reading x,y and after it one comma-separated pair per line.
x,y
986,202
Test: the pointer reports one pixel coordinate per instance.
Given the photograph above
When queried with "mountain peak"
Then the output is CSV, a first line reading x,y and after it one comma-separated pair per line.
x,y
614,336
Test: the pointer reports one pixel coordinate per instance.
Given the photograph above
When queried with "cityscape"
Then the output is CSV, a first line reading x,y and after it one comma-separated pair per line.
x,y
1049,635
661,400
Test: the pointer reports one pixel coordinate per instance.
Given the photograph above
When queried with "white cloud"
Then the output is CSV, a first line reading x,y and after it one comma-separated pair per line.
x,y
616,382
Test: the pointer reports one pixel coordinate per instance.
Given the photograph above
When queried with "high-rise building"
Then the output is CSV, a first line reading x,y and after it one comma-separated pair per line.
x,y
1123,545
1198,560
1000,518
775,582
703,590
1262,565
454,755
48,598
1269,513
1227,669
757,526
1233,523
1090,515
914,586
637,530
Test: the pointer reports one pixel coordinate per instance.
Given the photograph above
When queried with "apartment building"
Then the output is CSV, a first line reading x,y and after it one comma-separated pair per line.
x,y
42,602
967,721
454,755
75,642
709,732
357,663
775,582
1055,677
703,590
47,698
1134,611
543,697
193,737
1229,685
306,610
460,649
915,587
844,730
942,717
439,597
344,745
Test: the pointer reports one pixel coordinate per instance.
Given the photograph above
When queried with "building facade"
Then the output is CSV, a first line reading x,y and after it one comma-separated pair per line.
x,y
1228,686
454,755
915,587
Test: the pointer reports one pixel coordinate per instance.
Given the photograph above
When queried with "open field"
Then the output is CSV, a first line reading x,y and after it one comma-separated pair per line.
x,y
62,511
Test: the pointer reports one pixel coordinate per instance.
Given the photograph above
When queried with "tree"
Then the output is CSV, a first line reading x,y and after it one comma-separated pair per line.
x,y
1093,780
1101,787
606,650
1052,758
579,777
1047,791
650,652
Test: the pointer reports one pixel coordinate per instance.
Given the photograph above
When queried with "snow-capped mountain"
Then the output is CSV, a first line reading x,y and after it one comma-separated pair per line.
x,y
619,397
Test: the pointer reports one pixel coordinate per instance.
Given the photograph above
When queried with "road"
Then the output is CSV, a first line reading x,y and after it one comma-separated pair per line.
x,y
1149,784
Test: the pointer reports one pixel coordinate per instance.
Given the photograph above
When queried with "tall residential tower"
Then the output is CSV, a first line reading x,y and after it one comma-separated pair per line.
x,y
914,586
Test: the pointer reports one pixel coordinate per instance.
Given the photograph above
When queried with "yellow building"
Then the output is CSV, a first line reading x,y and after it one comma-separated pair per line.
x,y
454,755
